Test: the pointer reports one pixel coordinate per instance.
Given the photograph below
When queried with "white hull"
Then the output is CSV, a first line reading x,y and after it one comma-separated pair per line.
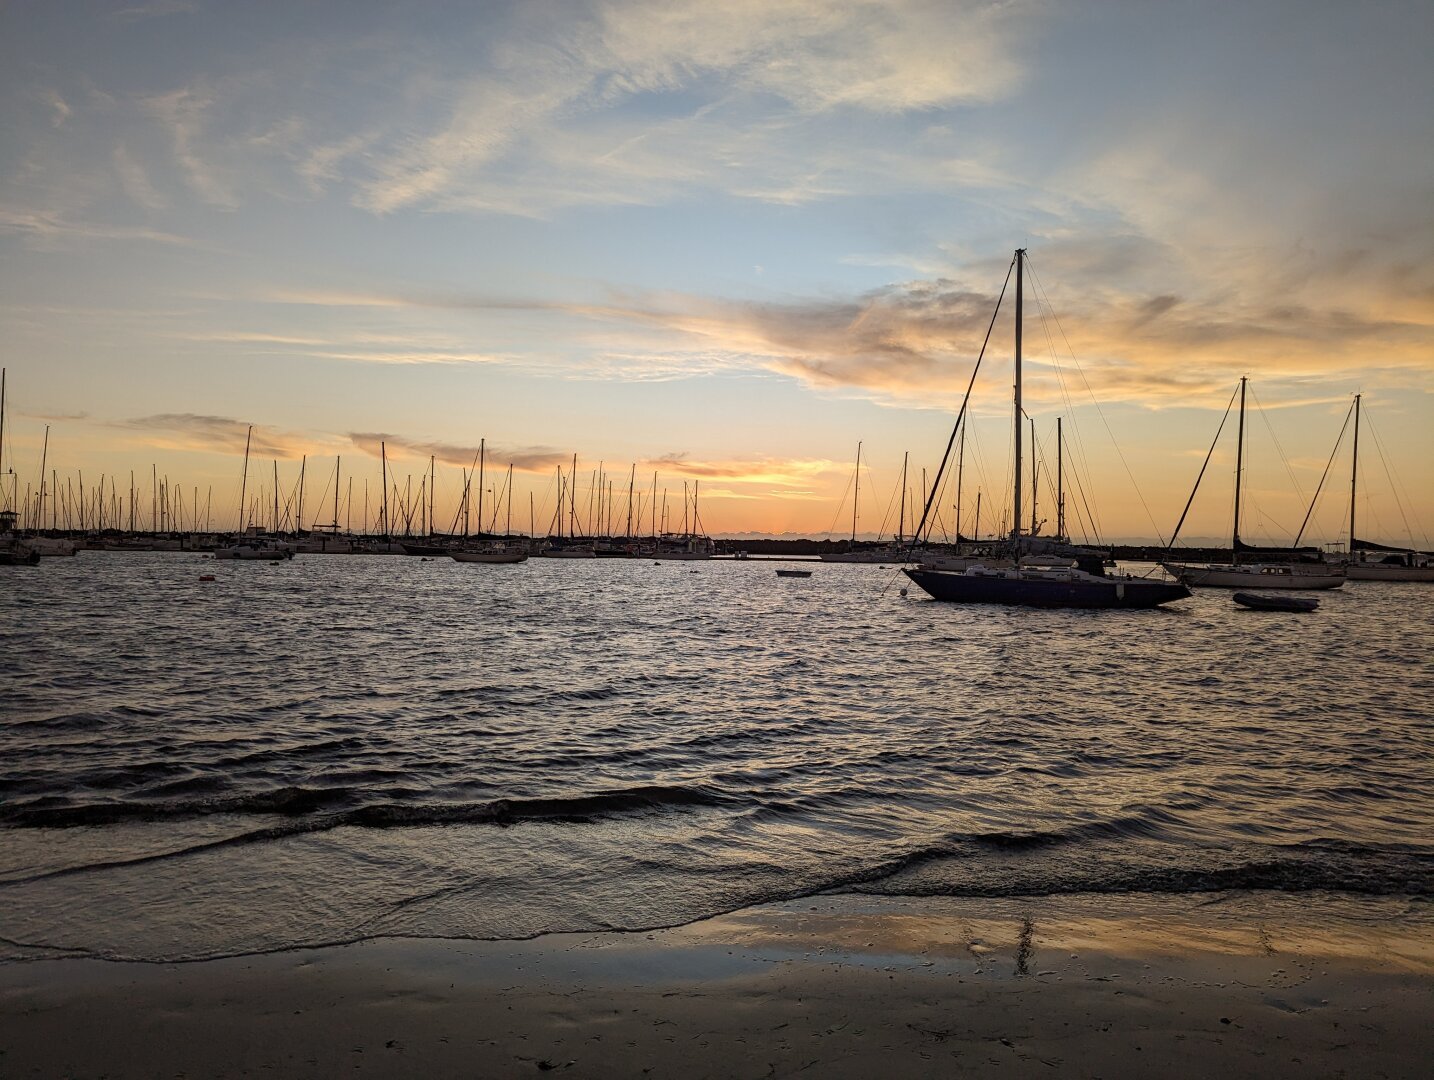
x,y
962,563
491,557
1388,572
884,557
1259,576
255,552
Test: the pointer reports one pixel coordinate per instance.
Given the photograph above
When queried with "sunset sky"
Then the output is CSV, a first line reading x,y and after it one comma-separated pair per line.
x,y
724,243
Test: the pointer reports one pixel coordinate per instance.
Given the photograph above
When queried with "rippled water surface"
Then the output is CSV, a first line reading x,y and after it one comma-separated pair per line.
x,y
338,747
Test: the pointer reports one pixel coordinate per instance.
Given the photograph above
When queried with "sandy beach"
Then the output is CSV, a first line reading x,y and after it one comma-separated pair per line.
x,y
1233,985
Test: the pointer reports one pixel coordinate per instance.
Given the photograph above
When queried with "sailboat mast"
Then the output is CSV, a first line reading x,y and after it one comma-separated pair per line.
x,y
4,494
1035,479
383,460
631,479
1060,483
40,506
901,514
432,486
482,447
243,485
1239,471
1353,474
960,468
336,492
1016,516
508,528
856,494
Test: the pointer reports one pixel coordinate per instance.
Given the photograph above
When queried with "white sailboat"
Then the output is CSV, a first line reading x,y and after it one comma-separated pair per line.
x,y
1279,570
1378,562
490,554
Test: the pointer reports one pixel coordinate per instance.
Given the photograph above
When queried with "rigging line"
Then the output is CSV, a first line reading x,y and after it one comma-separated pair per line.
x,y
1082,457
961,416
1101,413
1203,466
1389,475
840,506
1285,461
1324,474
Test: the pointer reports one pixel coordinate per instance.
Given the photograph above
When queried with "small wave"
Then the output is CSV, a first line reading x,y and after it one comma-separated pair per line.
x,y
336,807
63,722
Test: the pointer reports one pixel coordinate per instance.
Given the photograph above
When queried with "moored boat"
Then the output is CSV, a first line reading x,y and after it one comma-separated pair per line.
x,y
1262,568
1260,602
1050,584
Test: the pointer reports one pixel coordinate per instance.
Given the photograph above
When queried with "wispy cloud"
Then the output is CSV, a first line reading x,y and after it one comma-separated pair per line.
x,y
134,178
154,10
48,228
216,434
533,459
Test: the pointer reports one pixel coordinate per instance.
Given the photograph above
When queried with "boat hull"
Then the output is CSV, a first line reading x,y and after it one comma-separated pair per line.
x,y
1283,602
1391,572
1258,576
490,557
1055,592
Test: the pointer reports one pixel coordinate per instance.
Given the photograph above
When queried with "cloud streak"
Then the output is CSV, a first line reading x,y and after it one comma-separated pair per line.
x,y
216,435
532,459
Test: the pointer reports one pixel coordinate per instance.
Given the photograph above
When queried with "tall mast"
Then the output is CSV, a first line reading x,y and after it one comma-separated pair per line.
x,y
1354,474
4,492
276,495
383,461
631,479
299,517
1239,468
508,528
482,453
40,506
336,492
976,531
960,468
1035,479
432,484
856,494
573,501
901,514
243,485
1016,516
1060,488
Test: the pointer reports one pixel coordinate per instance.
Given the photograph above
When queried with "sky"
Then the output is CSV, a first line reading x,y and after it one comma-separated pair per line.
x,y
722,244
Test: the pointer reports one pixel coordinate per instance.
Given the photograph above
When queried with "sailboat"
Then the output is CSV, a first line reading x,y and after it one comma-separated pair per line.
x,y
1263,568
491,553
895,553
1378,562
1044,585
251,546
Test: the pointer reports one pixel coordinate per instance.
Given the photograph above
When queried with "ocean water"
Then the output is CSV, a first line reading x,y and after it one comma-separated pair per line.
x,y
342,747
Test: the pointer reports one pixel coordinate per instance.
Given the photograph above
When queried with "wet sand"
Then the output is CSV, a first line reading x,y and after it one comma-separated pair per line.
x,y
1228,985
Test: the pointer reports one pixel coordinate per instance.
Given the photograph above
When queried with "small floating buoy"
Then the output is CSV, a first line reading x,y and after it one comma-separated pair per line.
x,y
903,592
206,577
